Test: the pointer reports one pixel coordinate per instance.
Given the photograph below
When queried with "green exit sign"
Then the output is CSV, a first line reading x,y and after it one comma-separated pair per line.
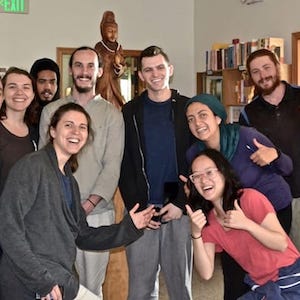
x,y
14,6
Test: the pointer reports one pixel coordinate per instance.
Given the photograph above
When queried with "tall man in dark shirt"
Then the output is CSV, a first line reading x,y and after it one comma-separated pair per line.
x,y
275,111
156,139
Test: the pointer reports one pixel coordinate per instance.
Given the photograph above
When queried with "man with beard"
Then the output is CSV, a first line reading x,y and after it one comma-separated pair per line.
x,y
99,163
275,111
46,73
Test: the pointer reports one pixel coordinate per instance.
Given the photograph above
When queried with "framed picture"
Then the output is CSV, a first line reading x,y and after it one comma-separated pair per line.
x,y
234,113
62,58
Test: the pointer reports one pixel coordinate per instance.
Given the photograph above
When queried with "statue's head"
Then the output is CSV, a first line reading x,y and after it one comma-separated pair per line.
x,y
109,27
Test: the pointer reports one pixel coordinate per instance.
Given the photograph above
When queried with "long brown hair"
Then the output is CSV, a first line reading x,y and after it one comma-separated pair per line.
x,y
29,114
58,114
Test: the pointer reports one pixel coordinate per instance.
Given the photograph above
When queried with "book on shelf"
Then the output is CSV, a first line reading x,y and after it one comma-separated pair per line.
x,y
277,46
213,85
244,92
217,46
223,55
234,113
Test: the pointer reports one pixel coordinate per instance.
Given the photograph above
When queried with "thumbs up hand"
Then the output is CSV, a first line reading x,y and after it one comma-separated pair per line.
x,y
235,218
198,220
263,155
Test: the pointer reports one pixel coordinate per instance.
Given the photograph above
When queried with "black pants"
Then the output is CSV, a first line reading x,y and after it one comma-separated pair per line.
x,y
234,286
285,218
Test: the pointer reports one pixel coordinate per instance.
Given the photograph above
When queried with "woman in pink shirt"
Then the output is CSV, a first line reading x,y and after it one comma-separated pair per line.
x,y
243,223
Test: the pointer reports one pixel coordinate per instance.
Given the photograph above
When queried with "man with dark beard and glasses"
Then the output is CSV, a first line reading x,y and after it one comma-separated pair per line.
x,y
99,163
275,111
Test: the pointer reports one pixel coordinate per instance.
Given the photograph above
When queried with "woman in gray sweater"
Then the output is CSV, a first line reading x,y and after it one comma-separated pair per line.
x,y
42,220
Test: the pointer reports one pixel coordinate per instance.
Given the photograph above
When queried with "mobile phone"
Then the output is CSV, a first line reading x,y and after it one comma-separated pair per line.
x,y
249,148
37,296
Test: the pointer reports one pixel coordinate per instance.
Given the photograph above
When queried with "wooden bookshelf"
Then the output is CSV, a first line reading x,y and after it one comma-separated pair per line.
x,y
230,78
230,84
229,87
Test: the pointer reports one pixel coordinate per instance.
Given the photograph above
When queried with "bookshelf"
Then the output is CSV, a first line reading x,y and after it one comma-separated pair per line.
x,y
229,80
229,56
231,85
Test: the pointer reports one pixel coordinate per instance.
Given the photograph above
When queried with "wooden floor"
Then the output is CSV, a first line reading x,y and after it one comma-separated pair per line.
x,y
201,290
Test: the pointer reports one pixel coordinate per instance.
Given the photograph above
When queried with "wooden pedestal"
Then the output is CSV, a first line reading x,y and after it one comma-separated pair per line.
x,y
115,286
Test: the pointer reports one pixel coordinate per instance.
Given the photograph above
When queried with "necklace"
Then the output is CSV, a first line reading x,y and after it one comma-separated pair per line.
x,y
108,49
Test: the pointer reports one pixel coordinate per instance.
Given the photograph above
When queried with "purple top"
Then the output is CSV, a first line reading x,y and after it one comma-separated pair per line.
x,y
268,180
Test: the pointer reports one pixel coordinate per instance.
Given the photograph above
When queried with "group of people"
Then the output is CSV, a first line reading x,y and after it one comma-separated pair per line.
x,y
197,184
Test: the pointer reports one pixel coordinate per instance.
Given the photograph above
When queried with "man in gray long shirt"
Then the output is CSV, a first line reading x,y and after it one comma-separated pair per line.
x,y
99,162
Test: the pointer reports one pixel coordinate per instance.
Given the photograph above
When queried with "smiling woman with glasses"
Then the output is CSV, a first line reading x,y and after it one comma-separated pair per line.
x,y
243,223
253,157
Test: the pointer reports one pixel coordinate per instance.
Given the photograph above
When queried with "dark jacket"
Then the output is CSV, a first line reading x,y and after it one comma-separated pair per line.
x,y
39,232
133,182
281,124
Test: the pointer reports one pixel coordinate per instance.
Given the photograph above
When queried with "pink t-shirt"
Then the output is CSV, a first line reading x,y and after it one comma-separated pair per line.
x,y
260,262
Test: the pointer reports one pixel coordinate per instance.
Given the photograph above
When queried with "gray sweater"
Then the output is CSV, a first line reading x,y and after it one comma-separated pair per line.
x,y
39,232
100,160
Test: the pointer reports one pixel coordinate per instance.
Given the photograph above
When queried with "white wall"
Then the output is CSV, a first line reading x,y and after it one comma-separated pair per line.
x,y
73,23
223,20
185,29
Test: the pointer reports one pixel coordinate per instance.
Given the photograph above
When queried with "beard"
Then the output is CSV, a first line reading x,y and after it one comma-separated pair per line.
x,y
81,89
49,96
267,91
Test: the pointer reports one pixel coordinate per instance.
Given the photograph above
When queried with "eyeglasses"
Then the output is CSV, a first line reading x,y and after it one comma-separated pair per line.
x,y
209,173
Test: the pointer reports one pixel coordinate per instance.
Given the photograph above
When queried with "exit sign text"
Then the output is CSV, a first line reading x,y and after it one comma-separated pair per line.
x,y
14,6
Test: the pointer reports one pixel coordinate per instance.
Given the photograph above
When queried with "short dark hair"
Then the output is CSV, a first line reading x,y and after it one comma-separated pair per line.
x,y
259,53
48,64
232,184
150,52
84,48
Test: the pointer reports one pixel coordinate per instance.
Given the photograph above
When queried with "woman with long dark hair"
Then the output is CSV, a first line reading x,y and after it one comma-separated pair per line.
x,y
254,158
17,136
243,223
